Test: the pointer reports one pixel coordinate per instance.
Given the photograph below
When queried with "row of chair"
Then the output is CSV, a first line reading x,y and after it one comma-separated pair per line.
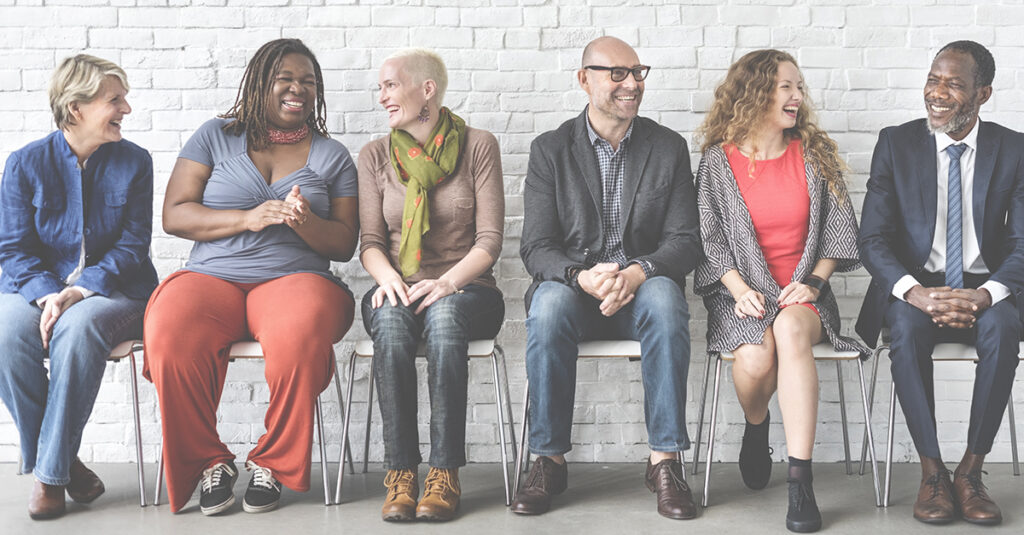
x,y
592,349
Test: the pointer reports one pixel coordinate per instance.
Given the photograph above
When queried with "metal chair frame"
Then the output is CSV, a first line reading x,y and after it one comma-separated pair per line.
x,y
502,401
822,353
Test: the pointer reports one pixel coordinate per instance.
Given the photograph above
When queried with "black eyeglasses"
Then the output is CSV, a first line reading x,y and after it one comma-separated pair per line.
x,y
619,73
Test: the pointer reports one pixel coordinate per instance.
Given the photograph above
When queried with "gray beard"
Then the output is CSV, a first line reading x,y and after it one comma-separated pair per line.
x,y
959,121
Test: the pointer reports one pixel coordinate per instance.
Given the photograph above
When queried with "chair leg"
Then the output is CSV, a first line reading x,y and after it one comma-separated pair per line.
x,y
1013,436
868,431
508,402
498,403
345,447
700,419
138,429
159,477
711,432
369,417
875,356
323,452
342,409
888,445
842,412
520,464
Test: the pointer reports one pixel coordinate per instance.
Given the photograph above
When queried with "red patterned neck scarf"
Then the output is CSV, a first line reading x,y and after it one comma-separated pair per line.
x,y
288,137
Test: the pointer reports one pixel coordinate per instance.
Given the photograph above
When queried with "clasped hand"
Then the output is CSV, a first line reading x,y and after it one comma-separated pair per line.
x,y
293,211
396,290
54,307
614,287
956,308
750,304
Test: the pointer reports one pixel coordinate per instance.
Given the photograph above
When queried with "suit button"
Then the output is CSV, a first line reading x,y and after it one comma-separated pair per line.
x,y
87,232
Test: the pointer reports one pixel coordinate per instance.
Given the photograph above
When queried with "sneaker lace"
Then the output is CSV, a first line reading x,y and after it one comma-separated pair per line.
x,y
212,476
799,494
934,482
439,481
261,477
399,482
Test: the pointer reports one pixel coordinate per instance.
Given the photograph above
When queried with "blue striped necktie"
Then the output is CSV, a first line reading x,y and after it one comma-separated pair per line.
x,y
954,220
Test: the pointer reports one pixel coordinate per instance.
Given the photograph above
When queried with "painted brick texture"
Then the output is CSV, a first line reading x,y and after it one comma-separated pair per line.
x,y
511,67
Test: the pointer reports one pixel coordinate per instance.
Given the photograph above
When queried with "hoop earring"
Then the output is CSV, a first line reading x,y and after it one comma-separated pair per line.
x,y
424,115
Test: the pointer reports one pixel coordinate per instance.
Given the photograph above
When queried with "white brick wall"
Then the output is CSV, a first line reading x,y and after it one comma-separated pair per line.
x,y
511,64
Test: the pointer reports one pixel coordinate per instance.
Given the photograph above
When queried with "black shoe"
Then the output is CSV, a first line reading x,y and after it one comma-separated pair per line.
x,y
756,455
264,492
803,515
216,495
546,479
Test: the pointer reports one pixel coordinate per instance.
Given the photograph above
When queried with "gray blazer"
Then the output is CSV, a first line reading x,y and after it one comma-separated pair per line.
x,y
563,205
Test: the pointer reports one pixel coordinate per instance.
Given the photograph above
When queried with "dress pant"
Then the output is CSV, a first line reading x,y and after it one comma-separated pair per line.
x,y
995,336
190,324
560,318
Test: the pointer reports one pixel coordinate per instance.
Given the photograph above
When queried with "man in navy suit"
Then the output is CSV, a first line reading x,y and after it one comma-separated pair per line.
x,y
942,234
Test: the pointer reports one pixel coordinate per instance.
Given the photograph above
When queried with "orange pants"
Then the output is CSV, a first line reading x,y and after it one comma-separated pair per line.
x,y
191,322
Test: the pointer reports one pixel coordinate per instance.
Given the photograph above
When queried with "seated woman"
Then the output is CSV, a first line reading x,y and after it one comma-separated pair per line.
x,y
269,201
76,214
776,222
431,209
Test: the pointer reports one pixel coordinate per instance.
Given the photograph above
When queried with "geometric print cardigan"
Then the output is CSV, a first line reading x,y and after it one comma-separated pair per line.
x,y
730,242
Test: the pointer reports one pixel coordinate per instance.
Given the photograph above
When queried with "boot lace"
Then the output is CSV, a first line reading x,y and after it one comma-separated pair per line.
x,y
399,482
439,481
261,477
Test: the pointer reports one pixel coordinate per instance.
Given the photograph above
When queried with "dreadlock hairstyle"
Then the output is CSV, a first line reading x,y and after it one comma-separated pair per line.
x,y
249,111
743,99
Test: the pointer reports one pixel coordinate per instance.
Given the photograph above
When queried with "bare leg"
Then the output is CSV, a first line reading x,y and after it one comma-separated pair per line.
x,y
754,373
796,329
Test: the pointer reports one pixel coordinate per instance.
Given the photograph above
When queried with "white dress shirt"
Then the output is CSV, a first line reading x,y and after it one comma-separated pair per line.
x,y
973,262
73,277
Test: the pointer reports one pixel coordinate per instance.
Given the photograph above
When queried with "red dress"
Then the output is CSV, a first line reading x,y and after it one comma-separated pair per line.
x,y
775,192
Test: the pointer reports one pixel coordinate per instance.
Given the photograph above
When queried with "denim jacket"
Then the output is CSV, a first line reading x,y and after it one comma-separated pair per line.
x,y
44,201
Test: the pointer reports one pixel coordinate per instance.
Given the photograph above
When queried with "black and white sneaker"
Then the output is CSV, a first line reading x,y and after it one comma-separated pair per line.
x,y
216,494
264,492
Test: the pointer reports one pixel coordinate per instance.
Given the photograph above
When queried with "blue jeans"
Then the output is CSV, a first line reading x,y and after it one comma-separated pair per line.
x,y
560,318
50,413
446,327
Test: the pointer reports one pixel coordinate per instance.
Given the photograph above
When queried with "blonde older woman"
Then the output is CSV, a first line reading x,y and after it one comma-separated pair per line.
x,y
431,210
76,210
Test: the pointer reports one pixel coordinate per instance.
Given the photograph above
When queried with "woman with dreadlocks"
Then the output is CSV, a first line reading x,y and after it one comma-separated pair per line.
x,y
269,201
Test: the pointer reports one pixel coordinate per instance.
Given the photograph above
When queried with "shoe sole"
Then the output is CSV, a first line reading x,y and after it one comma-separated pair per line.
x,y
258,508
803,527
219,508
46,516
397,517
86,498
984,521
936,521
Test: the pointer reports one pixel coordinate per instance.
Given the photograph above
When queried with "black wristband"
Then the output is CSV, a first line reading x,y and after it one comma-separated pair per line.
x,y
572,274
817,283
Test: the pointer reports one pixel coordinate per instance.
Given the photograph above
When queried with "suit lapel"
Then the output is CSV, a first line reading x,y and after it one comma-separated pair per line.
x,y
586,161
927,177
636,161
984,164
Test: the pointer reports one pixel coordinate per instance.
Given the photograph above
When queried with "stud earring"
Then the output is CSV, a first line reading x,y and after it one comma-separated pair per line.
x,y
424,115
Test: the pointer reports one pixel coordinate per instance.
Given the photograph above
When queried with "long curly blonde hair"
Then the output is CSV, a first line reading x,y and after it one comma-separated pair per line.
x,y
742,101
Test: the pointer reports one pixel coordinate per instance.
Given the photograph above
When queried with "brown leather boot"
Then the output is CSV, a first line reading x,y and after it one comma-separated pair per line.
x,y
441,493
934,503
971,496
47,501
85,485
674,497
403,489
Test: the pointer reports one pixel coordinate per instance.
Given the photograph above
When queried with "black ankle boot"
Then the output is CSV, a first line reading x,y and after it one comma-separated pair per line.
x,y
756,455
803,515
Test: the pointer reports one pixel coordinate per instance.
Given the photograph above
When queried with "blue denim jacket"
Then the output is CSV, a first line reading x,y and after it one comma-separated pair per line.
x,y
44,199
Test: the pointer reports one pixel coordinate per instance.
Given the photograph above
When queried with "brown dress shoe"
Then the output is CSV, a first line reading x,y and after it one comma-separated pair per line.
x,y
934,503
441,493
975,504
674,497
400,504
85,485
546,479
47,501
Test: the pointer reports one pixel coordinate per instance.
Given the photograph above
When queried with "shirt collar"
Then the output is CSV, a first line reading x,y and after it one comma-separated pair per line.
x,y
942,141
594,135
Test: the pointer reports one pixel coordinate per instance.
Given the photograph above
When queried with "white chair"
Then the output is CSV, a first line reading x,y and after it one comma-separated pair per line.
x,y
822,352
477,349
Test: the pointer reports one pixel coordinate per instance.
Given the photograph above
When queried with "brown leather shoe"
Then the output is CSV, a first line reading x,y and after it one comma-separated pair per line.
x,y
975,504
85,485
546,479
403,489
674,497
441,493
47,501
934,503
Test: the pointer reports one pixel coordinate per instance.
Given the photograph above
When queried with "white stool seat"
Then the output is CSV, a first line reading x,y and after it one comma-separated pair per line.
x,y
609,348
953,352
477,348
822,351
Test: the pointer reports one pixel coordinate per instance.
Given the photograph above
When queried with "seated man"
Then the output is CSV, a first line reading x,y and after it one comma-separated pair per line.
x,y
942,234
610,233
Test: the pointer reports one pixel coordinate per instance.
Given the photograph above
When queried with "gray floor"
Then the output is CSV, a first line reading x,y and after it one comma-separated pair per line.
x,y
601,499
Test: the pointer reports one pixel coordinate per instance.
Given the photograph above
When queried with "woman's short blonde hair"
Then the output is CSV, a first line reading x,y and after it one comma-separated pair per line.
x,y
423,65
78,79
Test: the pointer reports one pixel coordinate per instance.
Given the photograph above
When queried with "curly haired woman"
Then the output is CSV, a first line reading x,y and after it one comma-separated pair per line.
x,y
776,222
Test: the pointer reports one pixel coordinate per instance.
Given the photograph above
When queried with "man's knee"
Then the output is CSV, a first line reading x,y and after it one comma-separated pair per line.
x,y
659,301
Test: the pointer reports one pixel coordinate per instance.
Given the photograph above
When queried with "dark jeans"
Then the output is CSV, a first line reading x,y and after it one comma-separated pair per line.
x,y
560,318
445,327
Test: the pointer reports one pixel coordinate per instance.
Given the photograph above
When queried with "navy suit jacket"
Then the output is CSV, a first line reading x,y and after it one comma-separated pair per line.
x,y
898,221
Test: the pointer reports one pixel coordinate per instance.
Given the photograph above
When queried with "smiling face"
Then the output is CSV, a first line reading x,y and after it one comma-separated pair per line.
x,y
99,121
786,98
399,95
951,95
618,102
292,97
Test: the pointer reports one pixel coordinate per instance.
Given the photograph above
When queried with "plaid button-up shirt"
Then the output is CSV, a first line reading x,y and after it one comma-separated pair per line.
x,y
612,164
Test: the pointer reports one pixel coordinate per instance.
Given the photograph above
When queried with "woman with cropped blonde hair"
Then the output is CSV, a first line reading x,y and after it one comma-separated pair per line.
x,y
776,222
76,210
431,213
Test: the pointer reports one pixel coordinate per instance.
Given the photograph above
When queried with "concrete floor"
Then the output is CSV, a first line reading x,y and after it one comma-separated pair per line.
x,y
602,498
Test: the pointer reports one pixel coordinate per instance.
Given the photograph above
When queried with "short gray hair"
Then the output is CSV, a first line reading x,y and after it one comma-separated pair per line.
x,y
423,65
78,79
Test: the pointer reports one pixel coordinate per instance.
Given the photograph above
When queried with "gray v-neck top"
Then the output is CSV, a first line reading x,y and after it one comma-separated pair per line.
x,y
236,184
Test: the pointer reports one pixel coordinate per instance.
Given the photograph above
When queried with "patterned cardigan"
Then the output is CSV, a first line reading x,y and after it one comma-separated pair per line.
x,y
730,242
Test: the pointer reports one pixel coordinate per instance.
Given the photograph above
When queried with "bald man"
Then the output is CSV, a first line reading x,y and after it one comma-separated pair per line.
x,y
610,233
